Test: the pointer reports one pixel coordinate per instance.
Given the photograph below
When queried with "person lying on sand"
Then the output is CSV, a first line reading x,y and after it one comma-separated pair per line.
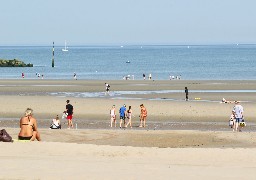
x,y
225,101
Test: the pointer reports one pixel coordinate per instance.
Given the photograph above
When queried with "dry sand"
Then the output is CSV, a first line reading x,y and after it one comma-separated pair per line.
x,y
182,139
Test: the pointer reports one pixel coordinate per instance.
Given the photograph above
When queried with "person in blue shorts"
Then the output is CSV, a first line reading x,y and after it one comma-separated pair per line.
x,y
122,112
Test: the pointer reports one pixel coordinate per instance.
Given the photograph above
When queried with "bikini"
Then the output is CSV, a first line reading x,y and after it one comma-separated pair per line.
x,y
129,114
144,112
26,124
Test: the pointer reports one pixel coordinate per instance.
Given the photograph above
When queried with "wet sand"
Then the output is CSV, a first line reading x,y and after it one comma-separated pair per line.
x,y
204,110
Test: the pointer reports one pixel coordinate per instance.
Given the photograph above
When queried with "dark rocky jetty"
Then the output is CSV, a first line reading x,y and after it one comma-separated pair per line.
x,y
13,63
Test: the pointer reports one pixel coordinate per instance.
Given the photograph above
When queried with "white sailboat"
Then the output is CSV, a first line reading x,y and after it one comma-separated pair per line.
x,y
65,49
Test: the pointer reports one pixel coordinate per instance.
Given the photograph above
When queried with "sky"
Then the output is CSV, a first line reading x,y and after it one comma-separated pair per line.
x,y
127,22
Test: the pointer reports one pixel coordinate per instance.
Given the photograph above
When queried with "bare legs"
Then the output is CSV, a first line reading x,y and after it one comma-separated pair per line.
x,y
121,121
113,119
129,123
35,135
70,123
237,127
143,121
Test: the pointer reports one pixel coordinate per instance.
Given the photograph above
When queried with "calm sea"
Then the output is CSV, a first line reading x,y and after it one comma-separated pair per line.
x,y
213,62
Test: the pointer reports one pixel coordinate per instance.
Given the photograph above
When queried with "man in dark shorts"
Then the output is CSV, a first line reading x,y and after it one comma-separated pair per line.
x,y
69,110
122,112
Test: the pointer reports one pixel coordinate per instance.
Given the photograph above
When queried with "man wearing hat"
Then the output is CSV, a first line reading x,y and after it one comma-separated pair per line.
x,y
122,112
69,110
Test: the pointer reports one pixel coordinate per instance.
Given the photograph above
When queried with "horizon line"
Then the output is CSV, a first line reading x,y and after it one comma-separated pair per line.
x,y
123,45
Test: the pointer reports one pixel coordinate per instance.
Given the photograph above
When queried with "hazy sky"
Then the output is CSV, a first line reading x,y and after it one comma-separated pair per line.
x,y
107,22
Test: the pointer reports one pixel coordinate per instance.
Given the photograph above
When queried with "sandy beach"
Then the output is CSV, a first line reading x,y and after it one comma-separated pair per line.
x,y
181,140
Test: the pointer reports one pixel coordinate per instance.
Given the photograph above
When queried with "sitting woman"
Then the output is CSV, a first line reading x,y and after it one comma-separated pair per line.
x,y
56,123
28,127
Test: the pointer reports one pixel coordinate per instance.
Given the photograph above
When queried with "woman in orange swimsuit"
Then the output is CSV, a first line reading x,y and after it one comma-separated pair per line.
x,y
143,115
28,127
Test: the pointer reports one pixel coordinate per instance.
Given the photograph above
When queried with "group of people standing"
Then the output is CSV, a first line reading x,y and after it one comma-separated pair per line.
x,y
124,113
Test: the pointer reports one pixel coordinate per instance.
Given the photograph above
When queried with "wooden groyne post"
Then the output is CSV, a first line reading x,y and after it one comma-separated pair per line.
x,y
53,54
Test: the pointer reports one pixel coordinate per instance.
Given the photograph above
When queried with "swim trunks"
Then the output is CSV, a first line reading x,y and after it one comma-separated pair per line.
x,y
69,117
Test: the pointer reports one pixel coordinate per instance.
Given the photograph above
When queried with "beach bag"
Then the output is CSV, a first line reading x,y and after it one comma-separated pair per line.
x,y
231,122
64,115
4,136
242,124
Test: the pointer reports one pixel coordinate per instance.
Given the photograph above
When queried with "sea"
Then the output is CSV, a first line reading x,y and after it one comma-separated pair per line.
x,y
193,62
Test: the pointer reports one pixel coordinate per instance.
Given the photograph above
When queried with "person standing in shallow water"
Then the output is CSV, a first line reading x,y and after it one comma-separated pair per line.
x,y
186,92
144,76
75,78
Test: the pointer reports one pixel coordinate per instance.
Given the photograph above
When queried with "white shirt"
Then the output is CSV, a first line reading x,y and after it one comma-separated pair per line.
x,y
112,112
238,109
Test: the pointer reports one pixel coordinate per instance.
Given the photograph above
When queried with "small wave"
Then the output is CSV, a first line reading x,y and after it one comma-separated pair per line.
x,y
39,65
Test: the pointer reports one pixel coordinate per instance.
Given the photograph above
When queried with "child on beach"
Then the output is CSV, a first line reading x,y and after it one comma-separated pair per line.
x,y
55,123
113,116
232,120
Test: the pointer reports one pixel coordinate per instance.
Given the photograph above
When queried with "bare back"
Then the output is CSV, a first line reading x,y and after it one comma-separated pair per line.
x,y
27,126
